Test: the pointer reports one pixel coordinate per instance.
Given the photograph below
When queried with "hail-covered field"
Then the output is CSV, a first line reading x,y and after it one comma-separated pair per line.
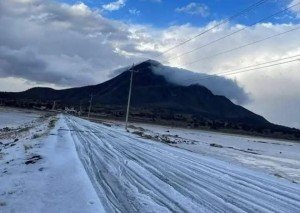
x,y
275,157
10,117
60,163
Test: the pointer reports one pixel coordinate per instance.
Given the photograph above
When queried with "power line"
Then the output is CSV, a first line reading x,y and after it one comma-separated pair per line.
x,y
239,70
251,7
247,70
233,33
242,46
228,72
90,106
251,66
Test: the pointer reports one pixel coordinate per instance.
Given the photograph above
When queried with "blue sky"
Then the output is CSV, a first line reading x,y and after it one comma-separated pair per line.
x,y
164,13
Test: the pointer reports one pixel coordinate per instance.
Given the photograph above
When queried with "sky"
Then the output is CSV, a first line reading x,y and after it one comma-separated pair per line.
x,y
164,13
67,43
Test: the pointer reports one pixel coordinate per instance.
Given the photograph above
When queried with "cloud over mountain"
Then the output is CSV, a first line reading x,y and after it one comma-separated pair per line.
x,y
218,84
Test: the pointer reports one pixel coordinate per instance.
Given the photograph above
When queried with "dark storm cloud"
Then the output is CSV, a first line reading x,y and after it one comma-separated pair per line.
x,y
27,64
67,45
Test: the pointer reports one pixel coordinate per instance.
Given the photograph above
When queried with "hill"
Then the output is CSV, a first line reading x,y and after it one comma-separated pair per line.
x,y
155,99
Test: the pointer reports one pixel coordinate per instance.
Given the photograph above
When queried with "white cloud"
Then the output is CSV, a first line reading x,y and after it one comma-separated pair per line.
x,y
135,12
217,85
116,5
194,8
296,9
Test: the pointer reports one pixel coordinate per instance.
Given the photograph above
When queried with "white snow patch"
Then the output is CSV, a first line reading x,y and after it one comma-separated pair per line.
x,y
43,173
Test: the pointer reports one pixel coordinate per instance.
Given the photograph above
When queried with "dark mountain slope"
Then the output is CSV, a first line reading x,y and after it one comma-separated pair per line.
x,y
154,98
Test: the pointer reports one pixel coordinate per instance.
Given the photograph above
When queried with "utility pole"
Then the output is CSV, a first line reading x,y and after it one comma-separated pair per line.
x,y
129,97
80,109
54,104
90,105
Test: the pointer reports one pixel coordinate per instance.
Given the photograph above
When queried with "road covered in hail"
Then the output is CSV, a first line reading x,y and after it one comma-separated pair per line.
x,y
131,174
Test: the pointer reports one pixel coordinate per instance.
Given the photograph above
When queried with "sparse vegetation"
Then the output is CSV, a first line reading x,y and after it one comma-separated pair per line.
x,y
166,139
2,203
216,145
27,147
6,129
278,175
136,128
25,129
138,133
35,136
52,122
33,159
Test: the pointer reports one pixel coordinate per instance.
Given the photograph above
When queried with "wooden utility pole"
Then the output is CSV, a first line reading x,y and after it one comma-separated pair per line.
x,y
90,105
129,97
80,108
54,104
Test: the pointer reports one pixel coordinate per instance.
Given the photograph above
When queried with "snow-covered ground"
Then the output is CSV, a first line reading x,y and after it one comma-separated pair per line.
x,y
67,164
10,117
133,174
275,157
40,170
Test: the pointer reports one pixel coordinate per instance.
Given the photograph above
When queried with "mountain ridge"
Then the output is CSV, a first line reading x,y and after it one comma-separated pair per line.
x,y
154,98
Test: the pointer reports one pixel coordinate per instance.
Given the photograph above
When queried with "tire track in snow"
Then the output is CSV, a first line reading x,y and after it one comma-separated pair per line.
x,y
136,175
274,210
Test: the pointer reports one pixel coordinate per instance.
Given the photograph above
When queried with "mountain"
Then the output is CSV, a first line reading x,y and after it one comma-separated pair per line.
x,y
154,99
